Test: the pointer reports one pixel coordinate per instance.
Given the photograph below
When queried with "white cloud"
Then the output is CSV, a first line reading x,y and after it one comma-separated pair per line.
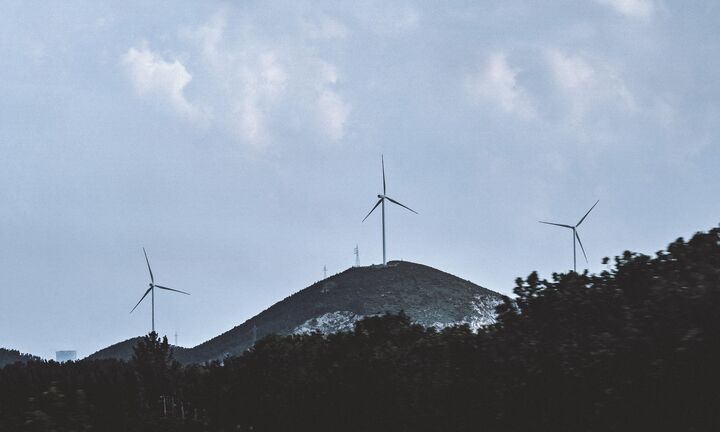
x,y
153,76
496,82
257,83
209,36
332,111
640,9
261,80
588,83
333,114
571,73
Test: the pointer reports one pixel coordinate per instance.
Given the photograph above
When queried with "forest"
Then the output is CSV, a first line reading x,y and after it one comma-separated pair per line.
x,y
635,347
12,356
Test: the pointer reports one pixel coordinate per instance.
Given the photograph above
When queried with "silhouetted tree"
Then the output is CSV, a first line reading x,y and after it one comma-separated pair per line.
x,y
155,368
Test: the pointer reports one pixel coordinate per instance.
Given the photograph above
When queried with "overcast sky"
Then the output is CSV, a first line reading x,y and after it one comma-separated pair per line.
x,y
240,143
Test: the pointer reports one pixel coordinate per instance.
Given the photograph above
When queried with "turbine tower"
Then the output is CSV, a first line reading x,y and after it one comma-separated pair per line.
x,y
381,201
575,234
151,291
357,256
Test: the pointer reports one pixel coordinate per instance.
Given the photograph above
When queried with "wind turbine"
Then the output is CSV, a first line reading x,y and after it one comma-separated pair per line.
x,y
575,235
381,201
151,291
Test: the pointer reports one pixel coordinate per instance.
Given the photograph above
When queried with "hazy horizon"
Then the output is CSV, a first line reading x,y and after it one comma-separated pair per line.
x,y
240,145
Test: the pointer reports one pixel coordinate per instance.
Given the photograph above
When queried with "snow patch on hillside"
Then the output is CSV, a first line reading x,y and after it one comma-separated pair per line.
x,y
484,308
344,321
483,314
330,322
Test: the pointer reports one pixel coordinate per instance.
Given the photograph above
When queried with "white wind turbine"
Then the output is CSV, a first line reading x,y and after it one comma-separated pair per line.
x,y
575,235
381,201
151,291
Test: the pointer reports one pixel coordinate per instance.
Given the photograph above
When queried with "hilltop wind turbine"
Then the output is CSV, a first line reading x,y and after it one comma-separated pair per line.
x,y
381,201
575,235
151,291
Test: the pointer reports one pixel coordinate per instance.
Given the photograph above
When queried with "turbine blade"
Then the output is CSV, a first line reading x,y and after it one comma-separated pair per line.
x,y
401,205
581,246
382,159
152,279
170,289
373,209
141,299
556,224
588,212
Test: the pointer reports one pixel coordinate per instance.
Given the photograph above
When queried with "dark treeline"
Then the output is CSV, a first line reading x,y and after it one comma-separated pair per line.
x,y
636,347
12,356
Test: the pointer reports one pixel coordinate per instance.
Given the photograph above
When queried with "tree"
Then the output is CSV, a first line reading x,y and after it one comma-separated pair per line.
x,y
155,368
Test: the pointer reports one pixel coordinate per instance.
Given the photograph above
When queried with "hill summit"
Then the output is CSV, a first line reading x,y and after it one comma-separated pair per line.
x,y
428,296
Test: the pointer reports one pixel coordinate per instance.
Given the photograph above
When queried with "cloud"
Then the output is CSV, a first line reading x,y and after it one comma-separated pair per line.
x,y
587,83
333,114
496,82
255,84
152,76
571,73
639,9
260,82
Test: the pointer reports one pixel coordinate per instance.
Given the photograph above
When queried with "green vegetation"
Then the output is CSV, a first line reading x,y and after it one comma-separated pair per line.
x,y
635,347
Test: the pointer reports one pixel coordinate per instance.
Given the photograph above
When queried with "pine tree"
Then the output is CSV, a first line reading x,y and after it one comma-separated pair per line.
x,y
155,368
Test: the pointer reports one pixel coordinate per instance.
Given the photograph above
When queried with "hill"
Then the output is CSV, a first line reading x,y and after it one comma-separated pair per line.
x,y
428,296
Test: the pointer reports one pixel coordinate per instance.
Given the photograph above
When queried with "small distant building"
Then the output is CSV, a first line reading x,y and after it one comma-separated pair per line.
x,y
63,356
